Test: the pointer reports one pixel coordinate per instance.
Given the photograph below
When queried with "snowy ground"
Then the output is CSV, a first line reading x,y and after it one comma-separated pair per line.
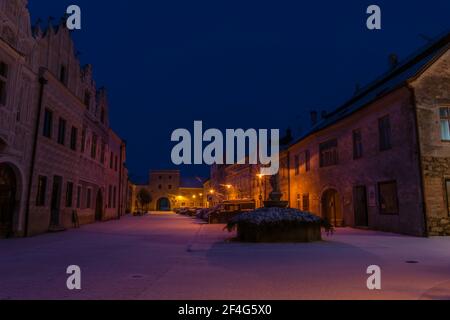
x,y
173,257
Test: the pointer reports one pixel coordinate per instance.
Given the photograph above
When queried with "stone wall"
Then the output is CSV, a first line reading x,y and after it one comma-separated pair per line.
x,y
432,91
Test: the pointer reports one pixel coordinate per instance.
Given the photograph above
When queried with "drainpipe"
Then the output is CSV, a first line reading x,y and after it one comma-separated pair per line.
x,y
42,83
120,181
419,154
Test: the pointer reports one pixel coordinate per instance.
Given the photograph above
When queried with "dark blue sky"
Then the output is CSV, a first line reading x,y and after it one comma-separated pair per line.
x,y
234,64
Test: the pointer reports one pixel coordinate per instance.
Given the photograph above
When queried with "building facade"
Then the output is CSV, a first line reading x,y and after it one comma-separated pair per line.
x,y
169,191
59,159
380,161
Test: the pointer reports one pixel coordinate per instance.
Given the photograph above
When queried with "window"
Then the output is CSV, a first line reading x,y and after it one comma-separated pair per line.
x,y
73,138
3,82
83,140
299,202
69,195
88,198
445,123
329,153
388,198
110,197
170,187
62,131
307,161
306,202
297,165
94,146
102,115
78,197
114,197
357,144
102,153
384,127
63,75
87,99
41,191
48,123
160,187
111,161
116,163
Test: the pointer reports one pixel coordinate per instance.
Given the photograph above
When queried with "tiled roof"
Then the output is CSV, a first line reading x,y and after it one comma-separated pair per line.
x,y
394,79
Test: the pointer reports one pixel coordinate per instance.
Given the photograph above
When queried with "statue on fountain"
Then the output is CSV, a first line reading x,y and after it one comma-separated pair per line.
x,y
276,194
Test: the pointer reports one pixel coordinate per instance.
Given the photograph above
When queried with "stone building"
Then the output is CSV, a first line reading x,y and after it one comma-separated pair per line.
x,y
170,191
379,161
59,159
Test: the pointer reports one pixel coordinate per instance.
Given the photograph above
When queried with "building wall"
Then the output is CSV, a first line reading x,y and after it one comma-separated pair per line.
x,y
46,62
166,184
399,164
17,111
432,91
307,189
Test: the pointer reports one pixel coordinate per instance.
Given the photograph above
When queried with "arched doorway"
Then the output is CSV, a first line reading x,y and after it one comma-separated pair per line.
x,y
163,204
331,208
8,189
99,206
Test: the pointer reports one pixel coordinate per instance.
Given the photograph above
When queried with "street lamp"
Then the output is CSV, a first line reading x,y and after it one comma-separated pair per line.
x,y
260,176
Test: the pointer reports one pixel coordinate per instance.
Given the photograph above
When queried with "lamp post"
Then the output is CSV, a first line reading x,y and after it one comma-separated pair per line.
x,y
260,177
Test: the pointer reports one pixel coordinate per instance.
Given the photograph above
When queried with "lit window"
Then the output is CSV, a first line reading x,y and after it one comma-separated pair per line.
x,y
445,124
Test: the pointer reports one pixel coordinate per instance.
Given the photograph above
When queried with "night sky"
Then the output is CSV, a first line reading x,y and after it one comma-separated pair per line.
x,y
234,64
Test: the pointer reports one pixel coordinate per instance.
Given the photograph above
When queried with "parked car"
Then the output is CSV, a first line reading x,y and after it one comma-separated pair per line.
x,y
227,210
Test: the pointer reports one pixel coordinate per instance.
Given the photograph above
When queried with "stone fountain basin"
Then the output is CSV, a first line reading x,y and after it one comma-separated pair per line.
x,y
278,225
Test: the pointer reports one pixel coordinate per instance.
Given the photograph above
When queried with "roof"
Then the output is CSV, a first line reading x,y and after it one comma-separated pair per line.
x,y
394,79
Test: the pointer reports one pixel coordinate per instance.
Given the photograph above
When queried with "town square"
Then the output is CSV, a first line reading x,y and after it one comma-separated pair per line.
x,y
216,151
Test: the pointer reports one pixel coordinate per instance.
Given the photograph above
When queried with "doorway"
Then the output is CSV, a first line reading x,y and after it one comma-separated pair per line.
x,y
360,202
99,206
8,189
163,205
56,202
331,208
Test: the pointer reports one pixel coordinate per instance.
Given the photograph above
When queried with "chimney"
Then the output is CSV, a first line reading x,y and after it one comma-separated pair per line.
x,y
313,118
393,60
